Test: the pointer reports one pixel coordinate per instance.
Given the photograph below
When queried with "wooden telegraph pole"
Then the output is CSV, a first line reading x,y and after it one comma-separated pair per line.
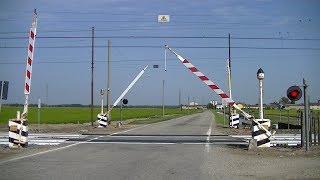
x,y
92,57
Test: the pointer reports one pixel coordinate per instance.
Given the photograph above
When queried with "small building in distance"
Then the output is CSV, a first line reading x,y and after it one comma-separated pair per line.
x,y
313,106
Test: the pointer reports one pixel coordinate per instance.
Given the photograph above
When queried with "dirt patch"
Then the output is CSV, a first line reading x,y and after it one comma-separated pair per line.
x,y
80,128
281,152
8,153
233,131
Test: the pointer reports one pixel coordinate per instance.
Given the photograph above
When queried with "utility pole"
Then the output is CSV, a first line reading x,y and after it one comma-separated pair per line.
x,y
47,93
188,103
194,103
306,114
163,81
162,98
92,57
229,74
180,100
108,83
1,93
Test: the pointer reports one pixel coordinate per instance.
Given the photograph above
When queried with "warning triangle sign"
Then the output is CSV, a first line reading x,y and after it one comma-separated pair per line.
x,y
163,18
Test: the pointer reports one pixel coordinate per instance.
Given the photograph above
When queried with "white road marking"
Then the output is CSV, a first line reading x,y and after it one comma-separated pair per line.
x,y
132,129
39,153
207,147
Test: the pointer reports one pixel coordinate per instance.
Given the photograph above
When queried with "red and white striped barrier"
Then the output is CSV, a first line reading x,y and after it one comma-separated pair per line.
x,y
204,79
263,129
18,128
27,84
32,36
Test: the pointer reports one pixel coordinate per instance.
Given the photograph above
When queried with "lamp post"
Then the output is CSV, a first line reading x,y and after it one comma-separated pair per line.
x,y
260,77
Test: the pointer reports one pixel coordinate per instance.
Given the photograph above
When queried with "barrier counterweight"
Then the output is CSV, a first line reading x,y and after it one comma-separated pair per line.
x,y
259,134
102,120
234,120
18,133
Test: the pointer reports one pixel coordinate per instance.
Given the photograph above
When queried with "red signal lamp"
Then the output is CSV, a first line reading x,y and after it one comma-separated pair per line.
x,y
294,93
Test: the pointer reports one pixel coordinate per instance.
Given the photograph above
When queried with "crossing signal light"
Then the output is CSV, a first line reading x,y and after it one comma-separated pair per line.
x,y
125,101
294,93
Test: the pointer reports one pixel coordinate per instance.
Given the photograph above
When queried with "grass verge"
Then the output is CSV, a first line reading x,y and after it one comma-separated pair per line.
x,y
75,115
220,120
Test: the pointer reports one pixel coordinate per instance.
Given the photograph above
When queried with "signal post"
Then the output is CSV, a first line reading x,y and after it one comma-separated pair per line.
x,y
294,93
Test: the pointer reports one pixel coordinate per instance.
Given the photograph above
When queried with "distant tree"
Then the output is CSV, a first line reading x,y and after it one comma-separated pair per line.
x,y
274,105
284,100
209,106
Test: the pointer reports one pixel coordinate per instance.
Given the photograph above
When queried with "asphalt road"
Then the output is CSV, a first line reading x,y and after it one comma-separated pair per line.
x,y
183,148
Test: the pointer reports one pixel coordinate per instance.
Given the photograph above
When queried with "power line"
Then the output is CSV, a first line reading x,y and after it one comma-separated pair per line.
x,y
166,37
202,59
181,47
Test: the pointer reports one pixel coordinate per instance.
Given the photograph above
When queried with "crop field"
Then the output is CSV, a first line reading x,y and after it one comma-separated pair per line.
x,y
64,115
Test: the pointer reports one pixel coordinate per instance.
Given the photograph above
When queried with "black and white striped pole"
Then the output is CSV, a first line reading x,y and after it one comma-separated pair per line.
x,y
259,133
102,118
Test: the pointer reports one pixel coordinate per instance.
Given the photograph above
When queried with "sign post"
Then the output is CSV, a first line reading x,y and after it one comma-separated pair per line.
x,y
4,85
39,107
123,101
306,115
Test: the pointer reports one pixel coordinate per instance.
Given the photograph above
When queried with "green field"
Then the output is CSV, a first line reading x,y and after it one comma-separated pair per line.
x,y
63,115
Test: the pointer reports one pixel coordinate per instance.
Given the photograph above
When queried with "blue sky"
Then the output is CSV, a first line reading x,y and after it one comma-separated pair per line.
x,y
285,44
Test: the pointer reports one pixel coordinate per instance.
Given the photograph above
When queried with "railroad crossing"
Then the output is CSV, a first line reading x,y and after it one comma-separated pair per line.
x,y
54,139
188,147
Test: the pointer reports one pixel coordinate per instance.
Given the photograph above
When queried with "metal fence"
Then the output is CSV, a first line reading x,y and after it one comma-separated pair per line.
x,y
314,132
314,128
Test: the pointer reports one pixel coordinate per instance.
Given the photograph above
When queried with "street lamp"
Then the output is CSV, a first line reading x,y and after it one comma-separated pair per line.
x,y
260,77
